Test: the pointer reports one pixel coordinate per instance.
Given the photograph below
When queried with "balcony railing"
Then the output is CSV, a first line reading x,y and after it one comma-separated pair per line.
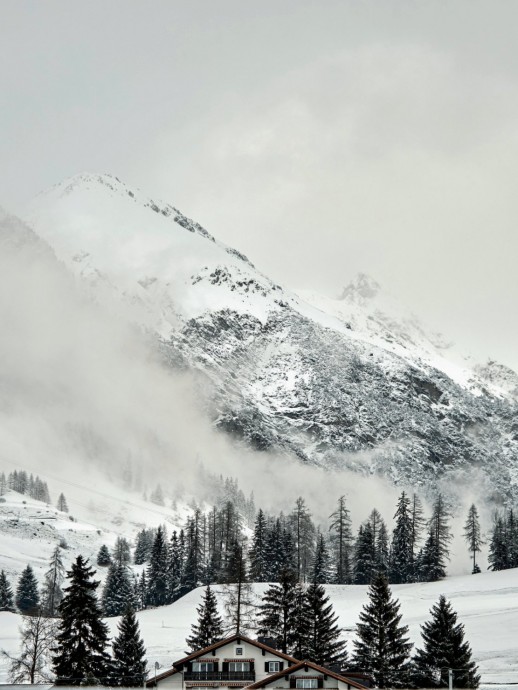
x,y
221,675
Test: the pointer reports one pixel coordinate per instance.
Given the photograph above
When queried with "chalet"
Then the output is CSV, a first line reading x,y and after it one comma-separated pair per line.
x,y
238,662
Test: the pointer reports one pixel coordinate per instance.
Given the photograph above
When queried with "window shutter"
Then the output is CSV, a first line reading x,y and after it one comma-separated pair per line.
x,y
293,682
320,682
266,665
252,666
281,666
225,667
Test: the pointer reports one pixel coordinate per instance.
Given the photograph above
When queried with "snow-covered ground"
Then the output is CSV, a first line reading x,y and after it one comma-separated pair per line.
x,y
487,604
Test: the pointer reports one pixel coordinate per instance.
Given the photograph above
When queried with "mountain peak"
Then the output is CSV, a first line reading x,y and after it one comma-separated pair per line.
x,y
360,289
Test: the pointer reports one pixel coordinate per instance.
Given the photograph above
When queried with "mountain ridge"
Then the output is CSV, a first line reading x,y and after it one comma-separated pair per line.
x,y
331,381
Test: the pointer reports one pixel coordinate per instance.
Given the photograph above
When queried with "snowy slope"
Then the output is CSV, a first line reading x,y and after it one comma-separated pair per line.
x,y
487,604
355,382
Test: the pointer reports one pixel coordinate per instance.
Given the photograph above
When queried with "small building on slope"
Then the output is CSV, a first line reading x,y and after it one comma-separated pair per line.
x,y
239,662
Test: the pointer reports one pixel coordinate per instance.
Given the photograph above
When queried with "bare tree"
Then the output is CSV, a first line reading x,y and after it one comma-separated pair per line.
x,y
34,663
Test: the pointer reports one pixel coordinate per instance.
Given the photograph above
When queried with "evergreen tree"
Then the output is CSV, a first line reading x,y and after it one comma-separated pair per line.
x,y
258,561
444,648
382,550
157,587
472,535
62,503
6,594
175,569
321,574
193,569
157,496
3,484
275,556
418,524
324,645
209,628
431,566
382,648
277,617
498,547
103,557
364,555
301,624
27,596
439,526
52,593
144,546
402,558
512,539
129,653
118,591
80,652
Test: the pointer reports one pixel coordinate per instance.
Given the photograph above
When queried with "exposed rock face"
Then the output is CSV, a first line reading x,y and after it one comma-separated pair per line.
x,y
354,382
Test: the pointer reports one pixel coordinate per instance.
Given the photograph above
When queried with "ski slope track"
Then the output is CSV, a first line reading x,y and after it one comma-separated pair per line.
x,y
354,382
487,605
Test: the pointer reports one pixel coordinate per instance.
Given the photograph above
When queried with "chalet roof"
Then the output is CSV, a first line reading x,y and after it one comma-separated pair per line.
x,y
220,643
297,667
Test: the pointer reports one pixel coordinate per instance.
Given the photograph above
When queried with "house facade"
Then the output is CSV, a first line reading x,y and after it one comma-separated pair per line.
x,y
238,662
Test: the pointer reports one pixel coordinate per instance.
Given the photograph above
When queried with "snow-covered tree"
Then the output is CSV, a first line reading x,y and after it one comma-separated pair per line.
x,y
321,567
401,564
27,596
303,531
6,594
118,591
157,575
62,504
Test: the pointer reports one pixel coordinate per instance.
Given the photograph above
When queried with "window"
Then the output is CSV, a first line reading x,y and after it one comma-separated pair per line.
x,y
306,683
274,666
238,666
239,651
202,666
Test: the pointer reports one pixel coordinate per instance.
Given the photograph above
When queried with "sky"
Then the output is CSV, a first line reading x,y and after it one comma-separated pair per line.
x,y
320,138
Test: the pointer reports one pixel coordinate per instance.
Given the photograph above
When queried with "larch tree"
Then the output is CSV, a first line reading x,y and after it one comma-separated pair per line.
x,y
33,665
473,536
341,543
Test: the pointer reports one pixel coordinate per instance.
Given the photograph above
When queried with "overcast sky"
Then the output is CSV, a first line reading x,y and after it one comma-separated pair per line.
x,y
320,138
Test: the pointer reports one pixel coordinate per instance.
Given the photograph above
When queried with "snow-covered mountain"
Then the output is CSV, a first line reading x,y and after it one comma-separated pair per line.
x,y
353,382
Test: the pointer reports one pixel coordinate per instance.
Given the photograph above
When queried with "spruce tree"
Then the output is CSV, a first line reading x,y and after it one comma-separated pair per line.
x,y
303,531
80,652
157,581
401,562
364,555
472,535
324,644
430,564
118,591
129,653
301,624
103,557
143,546
321,568
27,596
341,543
382,648
258,563
444,648
498,546
6,594
277,617
439,526
62,503
121,551
209,628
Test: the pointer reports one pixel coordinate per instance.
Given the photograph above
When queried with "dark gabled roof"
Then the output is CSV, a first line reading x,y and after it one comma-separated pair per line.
x,y
302,664
217,645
